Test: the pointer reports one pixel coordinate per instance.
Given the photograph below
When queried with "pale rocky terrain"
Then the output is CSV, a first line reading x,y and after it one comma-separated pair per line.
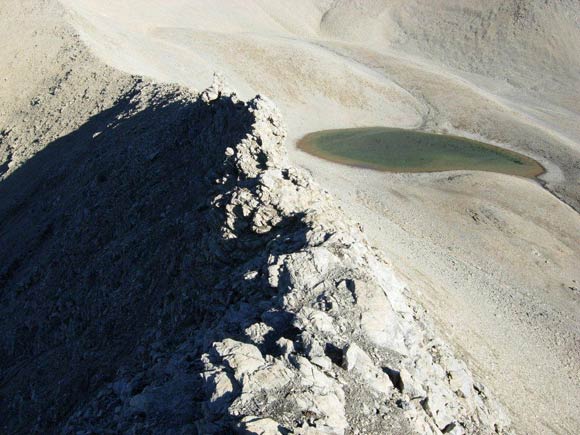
x,y
164,268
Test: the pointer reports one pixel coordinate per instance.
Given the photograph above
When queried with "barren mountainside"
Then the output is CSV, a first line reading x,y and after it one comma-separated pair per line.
x,y
168,267
186,279
166,270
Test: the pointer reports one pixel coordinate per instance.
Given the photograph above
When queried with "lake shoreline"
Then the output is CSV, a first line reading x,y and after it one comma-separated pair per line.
x,y
311,144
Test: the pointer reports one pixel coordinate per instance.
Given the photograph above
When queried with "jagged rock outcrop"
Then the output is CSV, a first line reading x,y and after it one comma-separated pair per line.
x,y
188,279
339,346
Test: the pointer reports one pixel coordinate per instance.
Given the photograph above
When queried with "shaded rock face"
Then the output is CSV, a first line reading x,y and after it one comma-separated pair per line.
x,y
164,269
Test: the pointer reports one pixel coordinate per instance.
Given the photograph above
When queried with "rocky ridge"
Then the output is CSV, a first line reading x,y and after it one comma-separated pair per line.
x,y
188,279
339,346
111,250
318,336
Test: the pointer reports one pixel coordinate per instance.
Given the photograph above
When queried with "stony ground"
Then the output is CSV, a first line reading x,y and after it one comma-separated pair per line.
x,y
499,275
493,258
164,269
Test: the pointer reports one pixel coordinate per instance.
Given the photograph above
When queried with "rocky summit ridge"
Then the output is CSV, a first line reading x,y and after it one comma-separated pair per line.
x,y
188,279
338,345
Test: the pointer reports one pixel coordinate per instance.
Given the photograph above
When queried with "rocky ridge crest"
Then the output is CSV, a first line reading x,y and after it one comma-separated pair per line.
x,y
227,291
340,346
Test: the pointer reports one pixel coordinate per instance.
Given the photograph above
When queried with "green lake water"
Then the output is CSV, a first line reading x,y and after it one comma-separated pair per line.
x,y
399,150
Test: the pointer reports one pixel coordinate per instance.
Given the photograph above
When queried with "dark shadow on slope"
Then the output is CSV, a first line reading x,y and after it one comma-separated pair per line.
x,y
104,251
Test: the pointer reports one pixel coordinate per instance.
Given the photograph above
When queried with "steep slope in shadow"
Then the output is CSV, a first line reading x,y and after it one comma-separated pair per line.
x,y
102,240
165,269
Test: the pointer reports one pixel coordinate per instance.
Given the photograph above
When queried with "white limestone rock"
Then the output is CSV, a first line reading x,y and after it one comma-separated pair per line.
x,y
357,361
252,425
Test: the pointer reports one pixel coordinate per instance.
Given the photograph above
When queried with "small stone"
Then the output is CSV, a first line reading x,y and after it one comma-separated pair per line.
x,y
259,426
